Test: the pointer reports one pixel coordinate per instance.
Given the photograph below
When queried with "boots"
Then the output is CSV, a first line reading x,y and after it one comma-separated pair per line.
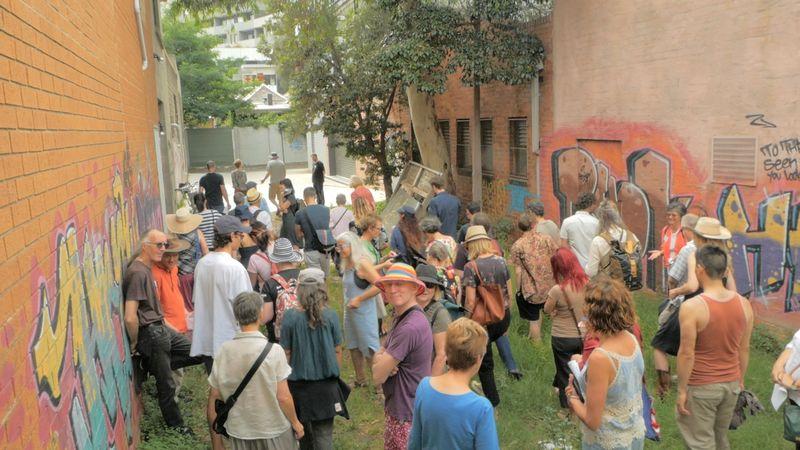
x,y
664,382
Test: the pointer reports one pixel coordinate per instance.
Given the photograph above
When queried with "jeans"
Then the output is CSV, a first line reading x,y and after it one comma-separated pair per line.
x,y
320,192
165,350
486,372
318,435
219,208
318,260
504,348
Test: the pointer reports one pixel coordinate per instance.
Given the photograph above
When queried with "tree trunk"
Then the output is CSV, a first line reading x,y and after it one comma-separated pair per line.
x,y
475,144
432,146
386,171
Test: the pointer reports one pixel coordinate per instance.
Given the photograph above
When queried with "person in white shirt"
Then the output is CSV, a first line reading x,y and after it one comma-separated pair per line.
x,y
218,279
579,229
341,217
611,228
264,414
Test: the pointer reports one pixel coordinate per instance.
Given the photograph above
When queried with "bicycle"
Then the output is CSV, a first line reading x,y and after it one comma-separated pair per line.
x,y
186,193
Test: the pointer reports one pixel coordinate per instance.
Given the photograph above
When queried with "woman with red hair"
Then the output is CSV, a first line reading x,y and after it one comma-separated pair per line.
x,y
564,304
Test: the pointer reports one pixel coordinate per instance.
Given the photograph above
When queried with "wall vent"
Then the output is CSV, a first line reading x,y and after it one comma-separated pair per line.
x,y
733,160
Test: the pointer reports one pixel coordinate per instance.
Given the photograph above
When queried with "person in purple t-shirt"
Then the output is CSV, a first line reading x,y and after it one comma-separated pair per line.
x,y
405,358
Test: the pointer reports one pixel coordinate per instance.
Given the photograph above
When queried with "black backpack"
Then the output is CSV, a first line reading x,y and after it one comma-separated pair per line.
x,y
624,260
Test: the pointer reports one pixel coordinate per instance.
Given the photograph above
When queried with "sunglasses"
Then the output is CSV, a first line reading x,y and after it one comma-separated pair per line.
x,y
431,286
164,245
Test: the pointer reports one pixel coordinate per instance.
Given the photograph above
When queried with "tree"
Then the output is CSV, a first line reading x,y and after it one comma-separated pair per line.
x,y
335,81
208,88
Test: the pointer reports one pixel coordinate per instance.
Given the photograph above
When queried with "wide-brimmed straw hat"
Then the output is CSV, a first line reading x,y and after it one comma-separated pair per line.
x,y
183,221
177,245
400,272
282,252
710,228
476,233
253,195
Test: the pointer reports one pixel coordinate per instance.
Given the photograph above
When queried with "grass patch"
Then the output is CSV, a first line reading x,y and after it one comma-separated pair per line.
x,y
527,414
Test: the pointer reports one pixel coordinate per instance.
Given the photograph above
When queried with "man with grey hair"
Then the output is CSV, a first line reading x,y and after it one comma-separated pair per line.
x,y
219,278
265,416
313,224
161,347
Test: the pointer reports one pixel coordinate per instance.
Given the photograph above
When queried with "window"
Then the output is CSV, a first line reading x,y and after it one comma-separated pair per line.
x,y
734,160
271,80
463,160
487,155
518,147
444,127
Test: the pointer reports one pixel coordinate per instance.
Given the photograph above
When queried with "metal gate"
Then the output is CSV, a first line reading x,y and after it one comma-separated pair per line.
x,y
342,165
210,144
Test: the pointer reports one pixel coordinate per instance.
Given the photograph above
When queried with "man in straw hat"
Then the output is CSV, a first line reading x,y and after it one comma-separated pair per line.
x,y
161,347
405,357
219,278
715,347
262,215
288,261
185,226
165,274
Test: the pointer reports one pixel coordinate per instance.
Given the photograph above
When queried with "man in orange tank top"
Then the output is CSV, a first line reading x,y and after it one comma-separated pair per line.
x,y
713,356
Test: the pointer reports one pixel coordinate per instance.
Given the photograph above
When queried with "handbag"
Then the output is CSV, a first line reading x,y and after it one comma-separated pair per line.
x,y
527,310
489,306
222,408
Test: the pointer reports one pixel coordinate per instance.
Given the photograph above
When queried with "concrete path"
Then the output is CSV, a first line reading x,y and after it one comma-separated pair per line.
x,y
301,178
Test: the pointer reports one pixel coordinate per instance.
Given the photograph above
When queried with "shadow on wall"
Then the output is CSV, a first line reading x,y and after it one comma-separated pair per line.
x,y
79,358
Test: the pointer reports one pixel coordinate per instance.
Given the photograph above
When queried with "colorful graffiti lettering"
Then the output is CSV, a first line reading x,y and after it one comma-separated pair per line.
x,y
78,349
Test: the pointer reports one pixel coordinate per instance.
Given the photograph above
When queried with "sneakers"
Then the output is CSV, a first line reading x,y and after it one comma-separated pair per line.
x,y
515,374
184,430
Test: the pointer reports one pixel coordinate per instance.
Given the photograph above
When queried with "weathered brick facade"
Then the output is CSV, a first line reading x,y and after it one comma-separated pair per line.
x,y
78,184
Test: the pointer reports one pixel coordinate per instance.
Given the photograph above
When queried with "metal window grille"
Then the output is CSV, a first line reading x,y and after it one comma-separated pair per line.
x,y
733,160
463,161
518,146
487,154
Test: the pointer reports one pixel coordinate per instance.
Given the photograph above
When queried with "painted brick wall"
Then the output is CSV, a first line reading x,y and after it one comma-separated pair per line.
x,y
639,93
78,185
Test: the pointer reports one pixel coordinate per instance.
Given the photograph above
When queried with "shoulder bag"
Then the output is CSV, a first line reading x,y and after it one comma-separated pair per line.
x,y
574,317
489,306
222,408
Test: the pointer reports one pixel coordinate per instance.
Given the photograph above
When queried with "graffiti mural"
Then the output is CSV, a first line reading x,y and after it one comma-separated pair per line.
x,y
643,168
79,358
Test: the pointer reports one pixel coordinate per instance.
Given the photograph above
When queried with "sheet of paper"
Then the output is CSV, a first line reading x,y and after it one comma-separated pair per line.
x,y
579,375
779,395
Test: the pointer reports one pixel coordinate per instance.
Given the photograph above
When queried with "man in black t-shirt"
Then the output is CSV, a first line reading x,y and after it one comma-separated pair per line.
x,y
162,348
213,186
318,177
313,224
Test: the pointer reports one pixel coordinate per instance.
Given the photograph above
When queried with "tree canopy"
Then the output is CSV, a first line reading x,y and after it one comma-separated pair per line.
x,y
208,87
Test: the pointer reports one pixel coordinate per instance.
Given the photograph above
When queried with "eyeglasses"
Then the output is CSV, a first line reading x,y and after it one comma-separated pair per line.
x,y
164,245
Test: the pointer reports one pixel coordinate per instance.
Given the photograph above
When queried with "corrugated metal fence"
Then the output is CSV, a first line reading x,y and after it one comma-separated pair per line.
x,y
252,145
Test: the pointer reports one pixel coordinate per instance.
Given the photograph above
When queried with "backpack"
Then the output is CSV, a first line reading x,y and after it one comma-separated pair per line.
x,y
624,260
287,299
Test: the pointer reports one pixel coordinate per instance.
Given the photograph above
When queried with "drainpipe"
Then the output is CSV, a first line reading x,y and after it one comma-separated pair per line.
x,y
137,9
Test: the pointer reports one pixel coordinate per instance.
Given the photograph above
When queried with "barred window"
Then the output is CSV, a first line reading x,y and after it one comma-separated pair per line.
x,y
518,146
487,155
463,160
444,127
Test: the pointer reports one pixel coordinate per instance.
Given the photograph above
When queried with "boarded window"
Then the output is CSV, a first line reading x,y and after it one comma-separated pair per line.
x,y
733,160
487,155
463,160
518,147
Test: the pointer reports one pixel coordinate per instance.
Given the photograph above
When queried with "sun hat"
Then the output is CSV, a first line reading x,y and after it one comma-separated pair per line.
x,y
407,210
177,245
282,252
689,221
274,155
183,221
710,228
253,196
428,275
400,272
476,233
230,224
243,212
312,275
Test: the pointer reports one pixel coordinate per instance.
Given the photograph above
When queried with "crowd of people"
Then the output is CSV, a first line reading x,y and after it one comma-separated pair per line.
x,y
246,295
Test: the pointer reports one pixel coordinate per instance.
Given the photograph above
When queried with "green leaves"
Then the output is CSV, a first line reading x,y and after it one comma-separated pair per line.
x,y
208,89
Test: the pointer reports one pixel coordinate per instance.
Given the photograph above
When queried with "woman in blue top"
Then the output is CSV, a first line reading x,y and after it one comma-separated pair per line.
x,y
434,425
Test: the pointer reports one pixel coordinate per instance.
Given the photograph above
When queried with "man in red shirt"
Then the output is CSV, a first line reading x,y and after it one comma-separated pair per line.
x,y
165,274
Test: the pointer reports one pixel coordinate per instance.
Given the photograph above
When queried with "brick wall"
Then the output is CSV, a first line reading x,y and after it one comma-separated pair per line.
x,y
78,185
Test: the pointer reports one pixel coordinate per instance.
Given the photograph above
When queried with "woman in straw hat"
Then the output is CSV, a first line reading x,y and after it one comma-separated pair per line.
x,y
184,225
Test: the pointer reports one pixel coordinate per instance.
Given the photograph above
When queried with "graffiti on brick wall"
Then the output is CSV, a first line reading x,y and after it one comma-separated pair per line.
x,y
78,349
780,159
766,250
